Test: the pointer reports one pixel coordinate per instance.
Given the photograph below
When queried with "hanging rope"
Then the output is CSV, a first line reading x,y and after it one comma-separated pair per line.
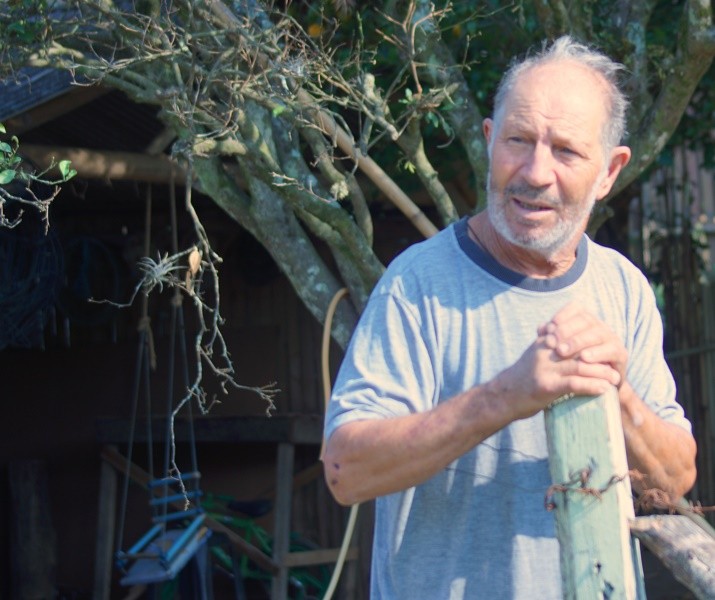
x,y
176,535
325,365
178,335
146,361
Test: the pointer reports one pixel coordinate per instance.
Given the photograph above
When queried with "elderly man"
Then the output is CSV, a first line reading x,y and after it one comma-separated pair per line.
x,y
437,409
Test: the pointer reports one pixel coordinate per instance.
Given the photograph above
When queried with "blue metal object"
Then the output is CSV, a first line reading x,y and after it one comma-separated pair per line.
x,y
172,480
176,516
175,498
161,553
164,556
123,558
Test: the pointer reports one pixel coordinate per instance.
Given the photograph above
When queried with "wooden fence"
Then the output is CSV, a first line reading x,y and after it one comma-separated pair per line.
x,y
672,236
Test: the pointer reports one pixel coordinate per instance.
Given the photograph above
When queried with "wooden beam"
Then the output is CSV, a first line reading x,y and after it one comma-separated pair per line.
x,y
685,548
300,429
106,164
309,558
591,497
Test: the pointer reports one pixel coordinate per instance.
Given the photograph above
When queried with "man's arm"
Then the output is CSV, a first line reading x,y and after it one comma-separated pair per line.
x,y
662,451
373,457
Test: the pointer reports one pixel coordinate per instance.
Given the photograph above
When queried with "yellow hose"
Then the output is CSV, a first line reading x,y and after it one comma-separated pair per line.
x,y
325,364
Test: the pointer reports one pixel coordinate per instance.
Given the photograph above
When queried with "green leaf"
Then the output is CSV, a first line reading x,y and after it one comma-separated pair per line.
x,y
5,148
7,176
65,167
408,99
2,128
278,110
17,27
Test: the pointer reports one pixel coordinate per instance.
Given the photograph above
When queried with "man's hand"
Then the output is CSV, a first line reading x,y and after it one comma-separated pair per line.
x,y
574,333
542,374
663,452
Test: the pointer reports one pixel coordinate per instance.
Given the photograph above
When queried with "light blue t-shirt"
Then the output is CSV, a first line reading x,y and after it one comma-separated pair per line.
x,y
445,317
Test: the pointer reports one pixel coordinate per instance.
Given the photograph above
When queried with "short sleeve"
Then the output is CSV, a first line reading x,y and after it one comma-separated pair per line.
x,y
387,370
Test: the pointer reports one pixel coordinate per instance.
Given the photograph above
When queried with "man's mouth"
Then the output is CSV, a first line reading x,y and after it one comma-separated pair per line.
x,y
528,206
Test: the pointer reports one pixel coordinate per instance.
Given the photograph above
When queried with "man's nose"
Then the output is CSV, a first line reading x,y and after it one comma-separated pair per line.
x,y
539,166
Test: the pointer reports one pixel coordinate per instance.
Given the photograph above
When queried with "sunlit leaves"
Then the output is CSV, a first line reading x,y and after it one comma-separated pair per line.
x,y
12,173
65,167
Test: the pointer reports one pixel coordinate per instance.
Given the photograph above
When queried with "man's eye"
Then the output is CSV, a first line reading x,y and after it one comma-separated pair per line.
x,y
565,150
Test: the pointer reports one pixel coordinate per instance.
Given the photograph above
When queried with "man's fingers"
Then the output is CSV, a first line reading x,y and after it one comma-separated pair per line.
x,y
580,341
569,311
598,370
574,332
586,386
570,322
609,352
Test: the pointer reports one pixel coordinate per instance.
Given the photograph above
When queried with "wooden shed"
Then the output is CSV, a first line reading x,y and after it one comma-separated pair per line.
x,y
68,366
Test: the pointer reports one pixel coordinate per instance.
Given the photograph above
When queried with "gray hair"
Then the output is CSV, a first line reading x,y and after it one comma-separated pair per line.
x,y
565,48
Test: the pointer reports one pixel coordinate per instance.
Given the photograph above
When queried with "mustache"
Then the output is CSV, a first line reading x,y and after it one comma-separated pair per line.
x,y
530,192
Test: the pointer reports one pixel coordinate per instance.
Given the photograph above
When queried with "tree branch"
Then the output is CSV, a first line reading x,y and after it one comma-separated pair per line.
x,y
412,144
553,16
464,115
693,57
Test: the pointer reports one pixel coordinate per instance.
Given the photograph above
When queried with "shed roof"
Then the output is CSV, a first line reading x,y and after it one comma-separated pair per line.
x,y
30,88
103,132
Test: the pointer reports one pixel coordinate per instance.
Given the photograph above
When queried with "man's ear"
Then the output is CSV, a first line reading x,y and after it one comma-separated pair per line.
x,y
488,129
620,156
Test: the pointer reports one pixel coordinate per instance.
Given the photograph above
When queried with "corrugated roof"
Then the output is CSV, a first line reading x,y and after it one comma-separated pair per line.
x,y
31,87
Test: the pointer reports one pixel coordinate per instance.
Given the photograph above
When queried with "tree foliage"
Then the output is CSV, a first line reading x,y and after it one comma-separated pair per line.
x,y
295,117
19,185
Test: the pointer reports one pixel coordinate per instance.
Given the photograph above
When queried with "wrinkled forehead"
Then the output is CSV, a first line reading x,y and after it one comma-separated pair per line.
x,y
564,77
563,91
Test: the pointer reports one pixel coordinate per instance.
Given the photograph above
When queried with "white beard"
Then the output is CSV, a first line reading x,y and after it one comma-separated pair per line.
x,y
548,242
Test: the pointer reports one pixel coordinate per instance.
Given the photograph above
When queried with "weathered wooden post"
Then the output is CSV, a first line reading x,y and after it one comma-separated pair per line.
x,y
591,497
33,542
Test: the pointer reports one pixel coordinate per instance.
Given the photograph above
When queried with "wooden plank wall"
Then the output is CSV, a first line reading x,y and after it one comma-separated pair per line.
x,y
676,237
296,351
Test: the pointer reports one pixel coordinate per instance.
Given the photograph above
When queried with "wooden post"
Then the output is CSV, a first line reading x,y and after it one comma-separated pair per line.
x,y
281,515
591,497
107,512
33,543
